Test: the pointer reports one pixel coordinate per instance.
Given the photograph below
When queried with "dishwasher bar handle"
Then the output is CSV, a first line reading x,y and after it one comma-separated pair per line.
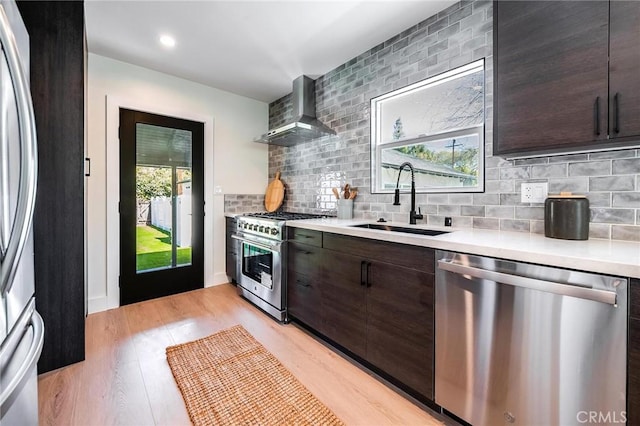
x,y
532,283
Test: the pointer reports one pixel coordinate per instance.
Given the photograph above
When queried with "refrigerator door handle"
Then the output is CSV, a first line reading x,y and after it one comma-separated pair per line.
x,y
28,160
29,318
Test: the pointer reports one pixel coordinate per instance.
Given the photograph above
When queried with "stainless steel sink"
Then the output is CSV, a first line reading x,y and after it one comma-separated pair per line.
x,y
392,228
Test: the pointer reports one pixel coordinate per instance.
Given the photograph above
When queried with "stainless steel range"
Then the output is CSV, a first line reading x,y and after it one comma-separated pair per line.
x,y
262,260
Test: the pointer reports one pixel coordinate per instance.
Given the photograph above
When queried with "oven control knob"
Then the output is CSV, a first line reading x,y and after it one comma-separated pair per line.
x,y
261,229
251,227
274,231
245,225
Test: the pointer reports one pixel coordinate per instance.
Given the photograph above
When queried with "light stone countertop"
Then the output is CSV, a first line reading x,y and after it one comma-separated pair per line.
x,y
619,258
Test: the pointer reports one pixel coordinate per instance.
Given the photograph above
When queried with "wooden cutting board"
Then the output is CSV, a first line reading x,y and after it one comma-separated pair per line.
x,y
275,194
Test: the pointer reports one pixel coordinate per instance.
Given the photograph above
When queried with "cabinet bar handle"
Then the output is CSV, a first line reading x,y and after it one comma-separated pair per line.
x,y
616,118
362,273
596,116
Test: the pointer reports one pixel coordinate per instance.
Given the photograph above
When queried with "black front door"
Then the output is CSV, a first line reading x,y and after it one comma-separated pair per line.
x,y
161,205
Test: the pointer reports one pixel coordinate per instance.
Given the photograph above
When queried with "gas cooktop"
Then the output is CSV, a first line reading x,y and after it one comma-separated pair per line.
x,y
284,215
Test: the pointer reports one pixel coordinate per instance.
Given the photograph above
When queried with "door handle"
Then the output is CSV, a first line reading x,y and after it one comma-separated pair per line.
x,y
616,114
596,116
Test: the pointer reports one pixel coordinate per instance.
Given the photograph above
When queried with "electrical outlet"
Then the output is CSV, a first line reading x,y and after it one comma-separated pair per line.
x,y
534,192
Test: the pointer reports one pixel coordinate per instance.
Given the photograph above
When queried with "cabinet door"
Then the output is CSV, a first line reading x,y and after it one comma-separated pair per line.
x,y
400,324
231,258
304,299
624,69
304,277
551,75
305,259
633,355
343,301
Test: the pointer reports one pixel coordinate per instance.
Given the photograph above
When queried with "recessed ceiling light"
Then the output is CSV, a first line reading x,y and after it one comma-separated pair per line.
x,y
167,40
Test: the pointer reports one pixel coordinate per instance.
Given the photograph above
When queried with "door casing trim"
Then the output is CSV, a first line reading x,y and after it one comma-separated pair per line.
x,y
113,105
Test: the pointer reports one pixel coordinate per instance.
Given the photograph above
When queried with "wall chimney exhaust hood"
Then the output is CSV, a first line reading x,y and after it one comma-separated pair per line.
x,y
304,126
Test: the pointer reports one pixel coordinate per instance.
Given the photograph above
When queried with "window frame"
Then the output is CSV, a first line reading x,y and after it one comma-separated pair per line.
x,y
377,147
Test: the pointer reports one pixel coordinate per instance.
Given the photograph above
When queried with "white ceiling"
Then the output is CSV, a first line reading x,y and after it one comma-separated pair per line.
x,y
252,48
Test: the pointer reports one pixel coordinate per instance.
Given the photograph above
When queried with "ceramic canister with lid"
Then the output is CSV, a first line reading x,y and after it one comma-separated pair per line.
x,y
566,216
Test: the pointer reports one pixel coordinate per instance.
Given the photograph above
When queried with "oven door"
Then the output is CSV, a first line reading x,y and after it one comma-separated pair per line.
x,y
260,268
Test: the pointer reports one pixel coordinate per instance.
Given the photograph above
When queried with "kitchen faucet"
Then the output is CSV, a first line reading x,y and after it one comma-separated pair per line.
x,y
396,199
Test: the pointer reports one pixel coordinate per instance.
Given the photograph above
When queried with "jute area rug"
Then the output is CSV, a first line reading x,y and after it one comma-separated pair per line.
x,y
229,378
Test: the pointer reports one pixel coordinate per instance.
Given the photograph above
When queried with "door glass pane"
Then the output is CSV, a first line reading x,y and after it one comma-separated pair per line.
x,y
163,192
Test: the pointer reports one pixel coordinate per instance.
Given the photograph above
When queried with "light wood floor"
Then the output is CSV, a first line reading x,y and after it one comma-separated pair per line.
x,y
125,379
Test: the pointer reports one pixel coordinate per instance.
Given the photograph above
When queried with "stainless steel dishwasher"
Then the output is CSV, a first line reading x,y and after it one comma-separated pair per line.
x,y
528,345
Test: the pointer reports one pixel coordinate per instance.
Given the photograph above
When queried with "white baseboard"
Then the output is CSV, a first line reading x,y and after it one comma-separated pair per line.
x,y
98,304
218,278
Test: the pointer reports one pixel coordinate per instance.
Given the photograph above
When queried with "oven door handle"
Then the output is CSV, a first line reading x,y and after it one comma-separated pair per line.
x,y
274,247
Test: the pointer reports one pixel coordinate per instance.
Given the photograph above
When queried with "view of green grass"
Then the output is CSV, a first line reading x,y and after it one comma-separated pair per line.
x,y
153,249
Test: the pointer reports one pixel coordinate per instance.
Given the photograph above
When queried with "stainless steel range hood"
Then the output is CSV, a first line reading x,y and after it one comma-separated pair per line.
x,y
305,126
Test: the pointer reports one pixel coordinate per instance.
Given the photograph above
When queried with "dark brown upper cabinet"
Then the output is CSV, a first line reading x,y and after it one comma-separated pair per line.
x,y
555,88
624,69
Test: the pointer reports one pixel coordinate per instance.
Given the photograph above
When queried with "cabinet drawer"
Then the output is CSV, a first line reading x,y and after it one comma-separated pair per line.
x,y
304,259
303,299
305,236
415,257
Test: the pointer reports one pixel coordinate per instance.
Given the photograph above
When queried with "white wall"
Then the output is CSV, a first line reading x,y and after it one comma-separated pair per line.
x,y
232,160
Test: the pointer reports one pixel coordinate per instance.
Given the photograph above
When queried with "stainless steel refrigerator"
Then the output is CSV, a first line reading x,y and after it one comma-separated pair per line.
x,y
21,328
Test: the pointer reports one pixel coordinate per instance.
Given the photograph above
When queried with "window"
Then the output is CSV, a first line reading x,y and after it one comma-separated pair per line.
x,y
438,126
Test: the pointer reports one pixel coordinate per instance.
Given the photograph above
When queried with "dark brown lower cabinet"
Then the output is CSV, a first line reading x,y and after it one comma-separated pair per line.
x,y
344,308
400,324
633,355
372,298
231,247
303,295
303,282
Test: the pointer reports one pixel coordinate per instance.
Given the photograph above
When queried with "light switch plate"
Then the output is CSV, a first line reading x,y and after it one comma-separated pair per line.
x,y
534,192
